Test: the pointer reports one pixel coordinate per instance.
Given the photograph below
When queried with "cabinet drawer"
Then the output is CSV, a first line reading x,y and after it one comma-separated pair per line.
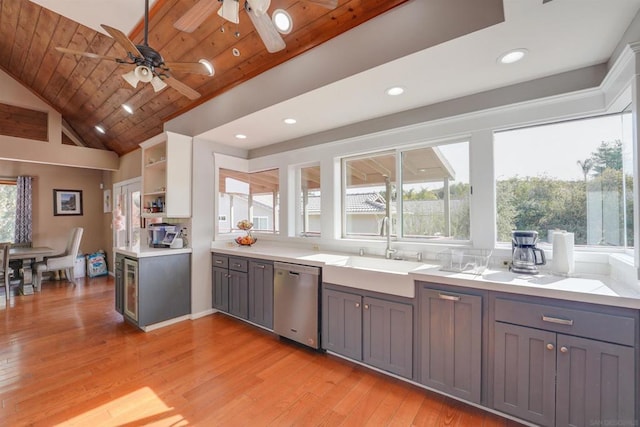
x,y
238,264
220,261
589,324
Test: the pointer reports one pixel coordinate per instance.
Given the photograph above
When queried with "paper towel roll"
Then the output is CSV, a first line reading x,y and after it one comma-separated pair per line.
x,y
562,263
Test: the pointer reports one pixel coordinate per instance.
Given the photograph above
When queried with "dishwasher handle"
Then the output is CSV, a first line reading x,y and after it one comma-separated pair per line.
x,y
295,269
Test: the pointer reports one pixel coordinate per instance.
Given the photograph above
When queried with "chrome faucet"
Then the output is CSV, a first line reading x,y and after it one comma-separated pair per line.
x,y
386,221
386,228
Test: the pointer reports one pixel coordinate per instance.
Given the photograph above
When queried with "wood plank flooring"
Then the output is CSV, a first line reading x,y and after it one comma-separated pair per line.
x,y
67,358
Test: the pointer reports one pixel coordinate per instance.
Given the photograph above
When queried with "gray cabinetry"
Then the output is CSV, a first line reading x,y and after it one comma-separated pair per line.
x,y
547,374
238,288
243,288
369,328
342,323
450,342
524,373
387,331
261,293
163,287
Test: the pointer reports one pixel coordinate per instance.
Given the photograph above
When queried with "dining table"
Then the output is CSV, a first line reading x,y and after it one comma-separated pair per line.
x,y
27,255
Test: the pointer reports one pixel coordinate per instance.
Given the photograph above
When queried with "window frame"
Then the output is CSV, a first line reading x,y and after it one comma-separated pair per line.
x,y
397,234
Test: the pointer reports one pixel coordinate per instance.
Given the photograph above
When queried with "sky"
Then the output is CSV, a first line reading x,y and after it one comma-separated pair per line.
x,y
554,150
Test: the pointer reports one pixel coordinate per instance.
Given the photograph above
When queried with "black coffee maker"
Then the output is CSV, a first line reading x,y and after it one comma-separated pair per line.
x,y
525,255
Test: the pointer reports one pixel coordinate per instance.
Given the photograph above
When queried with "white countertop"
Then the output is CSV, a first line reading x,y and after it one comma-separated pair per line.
x,y
583,288
143,252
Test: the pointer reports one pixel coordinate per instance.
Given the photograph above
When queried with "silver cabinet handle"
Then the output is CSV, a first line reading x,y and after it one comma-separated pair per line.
x,y
557,320
366,306
449,297
357,305
260,266
563,349
237,265
549,346
218,261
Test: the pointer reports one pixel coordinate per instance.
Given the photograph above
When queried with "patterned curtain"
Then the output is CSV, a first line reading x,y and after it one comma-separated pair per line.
x,y
23,210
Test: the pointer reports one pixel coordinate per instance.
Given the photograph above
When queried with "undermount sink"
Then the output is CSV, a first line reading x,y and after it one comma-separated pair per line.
x,y
375,274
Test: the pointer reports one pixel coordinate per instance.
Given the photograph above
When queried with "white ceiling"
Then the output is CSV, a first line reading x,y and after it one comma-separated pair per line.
x,y
561,35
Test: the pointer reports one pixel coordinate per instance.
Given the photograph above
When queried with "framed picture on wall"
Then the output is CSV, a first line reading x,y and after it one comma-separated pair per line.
x,y
67,202
106,199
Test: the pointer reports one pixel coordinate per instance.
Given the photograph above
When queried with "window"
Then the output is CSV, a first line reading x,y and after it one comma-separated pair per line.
x,y
252,196
309,213
434,186
8,199
575,176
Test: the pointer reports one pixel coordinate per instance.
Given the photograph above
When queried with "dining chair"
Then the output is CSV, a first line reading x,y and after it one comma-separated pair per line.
x,y
4,267
64,261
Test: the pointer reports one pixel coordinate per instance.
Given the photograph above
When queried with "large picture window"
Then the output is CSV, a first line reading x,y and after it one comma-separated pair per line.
x,y
423,193
575,176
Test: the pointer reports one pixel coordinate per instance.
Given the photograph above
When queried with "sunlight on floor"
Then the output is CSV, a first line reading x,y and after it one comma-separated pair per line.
x,y
141,407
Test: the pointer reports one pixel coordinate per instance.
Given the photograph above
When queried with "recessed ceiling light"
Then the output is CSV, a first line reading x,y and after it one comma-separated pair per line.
x,y
127,108
241,136
208,66
282,20
100,129
395,91
290,121
512,56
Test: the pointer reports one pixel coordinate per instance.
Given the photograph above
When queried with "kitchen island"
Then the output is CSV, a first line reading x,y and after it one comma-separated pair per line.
x,y
153,285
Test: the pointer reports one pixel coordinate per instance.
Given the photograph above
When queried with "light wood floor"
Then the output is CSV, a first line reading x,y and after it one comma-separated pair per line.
x,y
67,358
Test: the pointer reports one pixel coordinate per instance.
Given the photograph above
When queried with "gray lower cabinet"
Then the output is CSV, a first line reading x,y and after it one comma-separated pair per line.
x,y
243,288
545,374
163,287
261,293
342,323
374,330
450,342
220,291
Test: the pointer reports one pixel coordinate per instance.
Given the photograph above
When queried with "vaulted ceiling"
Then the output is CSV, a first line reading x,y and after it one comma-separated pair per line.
x,y
89,92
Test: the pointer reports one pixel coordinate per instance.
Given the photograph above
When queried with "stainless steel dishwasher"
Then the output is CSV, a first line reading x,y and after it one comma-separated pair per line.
x,y
295,302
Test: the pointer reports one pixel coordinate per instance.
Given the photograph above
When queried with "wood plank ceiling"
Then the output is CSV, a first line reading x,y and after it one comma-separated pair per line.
x,y
88,91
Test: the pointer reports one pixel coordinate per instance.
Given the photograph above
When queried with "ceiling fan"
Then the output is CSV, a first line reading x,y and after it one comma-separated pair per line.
x,y
150,66
230,10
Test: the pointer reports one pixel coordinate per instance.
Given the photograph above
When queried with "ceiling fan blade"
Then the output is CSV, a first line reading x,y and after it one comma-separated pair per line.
x,y
267,31
182,88
329,4
122,40
188,67
86,54
196,15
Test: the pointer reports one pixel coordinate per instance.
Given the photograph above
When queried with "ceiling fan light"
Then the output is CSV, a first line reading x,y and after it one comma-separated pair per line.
x,y
157,84
131,78
208,65
144,74
259,6
230,11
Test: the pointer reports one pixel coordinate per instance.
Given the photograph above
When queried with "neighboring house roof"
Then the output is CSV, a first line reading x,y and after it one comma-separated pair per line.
x,y
355,203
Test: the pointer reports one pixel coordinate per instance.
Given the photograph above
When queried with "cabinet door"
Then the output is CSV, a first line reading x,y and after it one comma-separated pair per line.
x,y
238,294
130,275
387,336
119,300
220,291
261,293
178,198
342,323
524,373
451,343
595,383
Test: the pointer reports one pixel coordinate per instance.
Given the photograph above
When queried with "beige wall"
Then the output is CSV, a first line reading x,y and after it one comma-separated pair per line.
x,y
50,230
130,167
